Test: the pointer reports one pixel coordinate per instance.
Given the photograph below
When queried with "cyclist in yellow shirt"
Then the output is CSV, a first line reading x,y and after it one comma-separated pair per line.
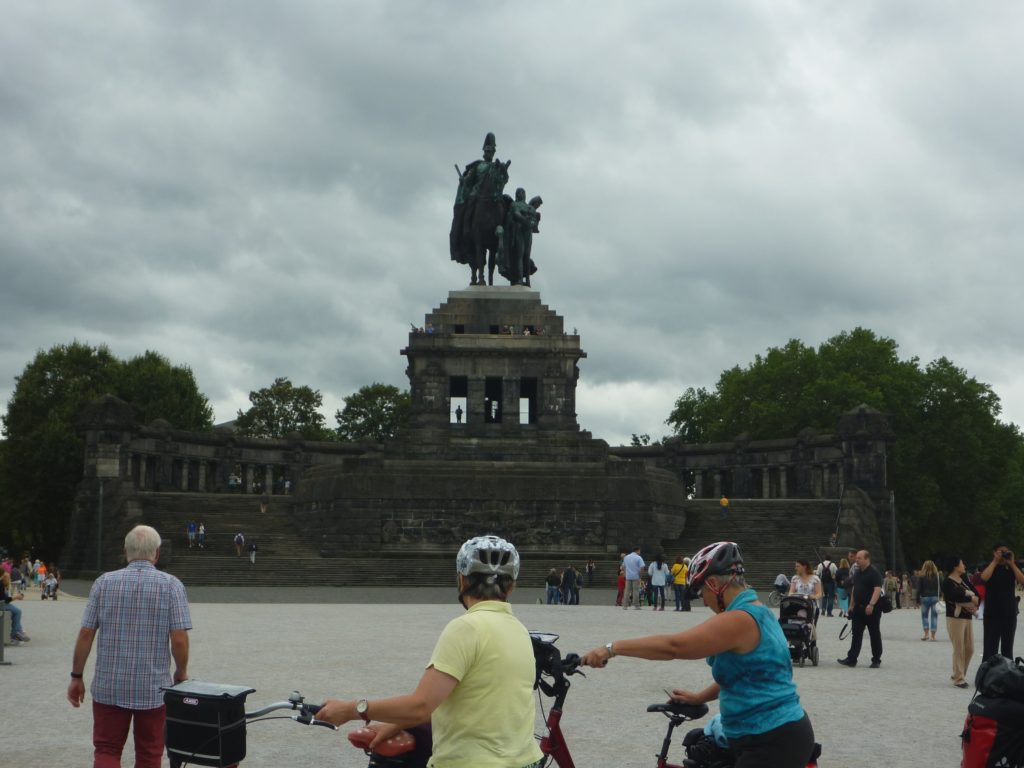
x,y
477,690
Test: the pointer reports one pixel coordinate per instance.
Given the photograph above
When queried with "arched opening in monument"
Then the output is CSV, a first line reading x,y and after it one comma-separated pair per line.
x,y
492,399
458,399
527,400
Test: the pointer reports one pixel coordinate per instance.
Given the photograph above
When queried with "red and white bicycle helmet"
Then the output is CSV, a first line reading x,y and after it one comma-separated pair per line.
x,y
716,559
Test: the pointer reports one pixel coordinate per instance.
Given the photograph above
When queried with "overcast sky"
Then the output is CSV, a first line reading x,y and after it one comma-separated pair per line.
x,y
261,189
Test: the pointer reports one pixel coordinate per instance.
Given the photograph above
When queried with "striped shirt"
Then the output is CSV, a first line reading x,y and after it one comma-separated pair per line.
x,y
134,611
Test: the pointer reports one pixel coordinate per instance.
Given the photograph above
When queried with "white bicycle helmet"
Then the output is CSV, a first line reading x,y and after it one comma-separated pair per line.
x,y
490,555
715,559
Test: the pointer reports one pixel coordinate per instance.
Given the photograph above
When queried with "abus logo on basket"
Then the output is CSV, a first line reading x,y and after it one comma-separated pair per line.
x,y
193,702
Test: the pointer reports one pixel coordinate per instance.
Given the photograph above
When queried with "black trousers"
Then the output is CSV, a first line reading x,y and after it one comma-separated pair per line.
x,y
1000,625
788,746
860,622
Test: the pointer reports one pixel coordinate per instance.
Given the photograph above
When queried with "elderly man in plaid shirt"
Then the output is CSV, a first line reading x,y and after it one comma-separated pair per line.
x,y
141,615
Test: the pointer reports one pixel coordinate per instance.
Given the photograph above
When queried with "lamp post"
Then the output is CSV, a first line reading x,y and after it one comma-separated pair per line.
x,y
99,532
892,526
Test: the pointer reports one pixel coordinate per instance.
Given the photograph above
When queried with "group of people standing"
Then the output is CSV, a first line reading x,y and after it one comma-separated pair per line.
x,y
648,582
196,533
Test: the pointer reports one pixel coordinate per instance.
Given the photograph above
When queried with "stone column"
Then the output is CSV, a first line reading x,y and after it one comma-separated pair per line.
x,y
201,478
142,471
783,491
268,479
825,471
475,402
510,402
718,485
698,483
247,478
183,482
766,483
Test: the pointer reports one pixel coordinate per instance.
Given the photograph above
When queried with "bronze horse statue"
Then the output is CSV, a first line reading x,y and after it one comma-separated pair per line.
x,y
479,232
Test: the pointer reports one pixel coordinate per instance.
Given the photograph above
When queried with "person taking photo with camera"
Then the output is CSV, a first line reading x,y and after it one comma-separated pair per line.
x,y
1000,617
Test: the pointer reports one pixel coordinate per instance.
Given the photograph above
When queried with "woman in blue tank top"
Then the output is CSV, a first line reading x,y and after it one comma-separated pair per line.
x,y
749,658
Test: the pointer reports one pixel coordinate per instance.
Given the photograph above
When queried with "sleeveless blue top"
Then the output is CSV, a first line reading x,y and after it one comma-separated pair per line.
x,y
757,689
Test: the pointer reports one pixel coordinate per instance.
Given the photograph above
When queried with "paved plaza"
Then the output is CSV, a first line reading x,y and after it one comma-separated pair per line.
x,y
373,643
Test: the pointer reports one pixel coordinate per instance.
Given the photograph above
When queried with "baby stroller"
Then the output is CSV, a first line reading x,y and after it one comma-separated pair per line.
x,y
797,615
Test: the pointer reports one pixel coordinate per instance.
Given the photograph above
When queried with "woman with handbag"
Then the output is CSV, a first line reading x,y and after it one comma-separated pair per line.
x,y
928,587
961,605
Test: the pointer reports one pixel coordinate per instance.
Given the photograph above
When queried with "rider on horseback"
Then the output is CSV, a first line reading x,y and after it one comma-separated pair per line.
x,y
471,181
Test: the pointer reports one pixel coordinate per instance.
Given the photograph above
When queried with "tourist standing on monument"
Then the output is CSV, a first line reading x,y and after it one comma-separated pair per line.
x,y
202,535
620,586
239,544
591,569
1000,619
190,529
142,618
659,572
633,565
961,606
749,657
553,582
253,549
477,690
929,588
864,611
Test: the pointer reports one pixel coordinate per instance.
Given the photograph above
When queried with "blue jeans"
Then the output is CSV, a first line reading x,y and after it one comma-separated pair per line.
x,y
928,607
552,595
678,589
15,612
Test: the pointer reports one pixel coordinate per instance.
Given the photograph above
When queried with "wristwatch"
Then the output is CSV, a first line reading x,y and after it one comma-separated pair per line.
x,y
362,708
611,651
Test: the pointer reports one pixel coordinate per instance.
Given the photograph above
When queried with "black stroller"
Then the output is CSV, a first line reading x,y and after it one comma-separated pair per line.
x,y
797,616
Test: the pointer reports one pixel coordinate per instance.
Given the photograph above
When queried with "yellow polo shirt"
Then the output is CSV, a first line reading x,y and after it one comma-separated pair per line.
x,y
487,720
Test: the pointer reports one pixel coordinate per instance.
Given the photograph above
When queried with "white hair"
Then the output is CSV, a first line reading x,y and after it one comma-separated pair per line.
x,y
141,543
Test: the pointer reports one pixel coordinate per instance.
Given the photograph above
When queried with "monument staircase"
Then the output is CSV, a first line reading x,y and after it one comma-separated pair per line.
x,y
771,532
284,558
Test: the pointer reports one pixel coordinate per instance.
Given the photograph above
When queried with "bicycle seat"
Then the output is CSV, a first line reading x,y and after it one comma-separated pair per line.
x,y
679,709
398,744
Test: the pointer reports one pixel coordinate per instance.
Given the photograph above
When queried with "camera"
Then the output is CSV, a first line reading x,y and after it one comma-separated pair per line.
x,y
1007,555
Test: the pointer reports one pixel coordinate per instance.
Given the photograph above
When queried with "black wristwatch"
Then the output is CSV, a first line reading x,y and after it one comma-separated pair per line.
x,y
76,675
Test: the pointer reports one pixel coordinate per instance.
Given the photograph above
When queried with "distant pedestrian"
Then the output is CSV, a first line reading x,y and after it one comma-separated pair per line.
x,y
252,552
723,506
864,611
264,502
591,569
190,529
202,535
239,544
929,586
552,582
570,586
679,583
826,572
633,565
842,586
961,607
659,573
1000,621
620,586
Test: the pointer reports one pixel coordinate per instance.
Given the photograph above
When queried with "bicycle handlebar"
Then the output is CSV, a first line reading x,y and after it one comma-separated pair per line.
x,y
295,702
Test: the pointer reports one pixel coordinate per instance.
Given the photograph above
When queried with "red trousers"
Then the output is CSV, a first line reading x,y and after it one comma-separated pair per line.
x,y
110,731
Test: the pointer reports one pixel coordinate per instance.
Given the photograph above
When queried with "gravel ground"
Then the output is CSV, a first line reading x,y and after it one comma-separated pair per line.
x,y
374,643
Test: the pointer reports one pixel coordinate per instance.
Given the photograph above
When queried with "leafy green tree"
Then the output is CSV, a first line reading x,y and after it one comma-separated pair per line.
x,y
41,461
283,408
375,412
955,468
159,390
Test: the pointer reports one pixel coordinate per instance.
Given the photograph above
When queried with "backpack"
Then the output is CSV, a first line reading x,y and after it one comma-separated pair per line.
x,y
993,733
999,677
826,573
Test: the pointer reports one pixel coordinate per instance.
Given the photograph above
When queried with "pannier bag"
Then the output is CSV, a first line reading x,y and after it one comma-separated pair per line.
x,y
993,734
205,723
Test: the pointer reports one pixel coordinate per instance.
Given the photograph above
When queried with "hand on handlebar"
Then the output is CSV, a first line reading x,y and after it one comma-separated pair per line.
x,y
336,712
596,658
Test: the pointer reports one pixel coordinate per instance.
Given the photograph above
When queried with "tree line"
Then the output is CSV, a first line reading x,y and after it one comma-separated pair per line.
x,y
957,470
42,455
